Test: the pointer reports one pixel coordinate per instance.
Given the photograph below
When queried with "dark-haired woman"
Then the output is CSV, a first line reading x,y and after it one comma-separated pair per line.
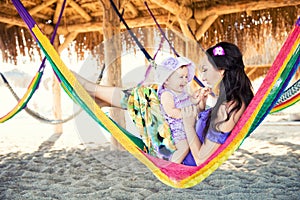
x,y
226,77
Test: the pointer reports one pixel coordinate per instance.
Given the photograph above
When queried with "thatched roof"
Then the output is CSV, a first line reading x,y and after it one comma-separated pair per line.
x,y
258,27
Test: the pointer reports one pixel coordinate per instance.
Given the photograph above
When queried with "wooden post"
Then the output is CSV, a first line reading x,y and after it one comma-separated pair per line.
x,y
58,129
112,51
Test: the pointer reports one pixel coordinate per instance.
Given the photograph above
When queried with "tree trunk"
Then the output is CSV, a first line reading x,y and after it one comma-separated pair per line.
x,y
112,51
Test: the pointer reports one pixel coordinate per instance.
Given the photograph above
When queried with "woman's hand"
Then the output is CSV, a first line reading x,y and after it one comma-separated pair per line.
x,y
189,115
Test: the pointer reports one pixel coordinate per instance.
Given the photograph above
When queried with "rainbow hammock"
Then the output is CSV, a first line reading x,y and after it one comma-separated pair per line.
x,y
290,97
172,174
34,84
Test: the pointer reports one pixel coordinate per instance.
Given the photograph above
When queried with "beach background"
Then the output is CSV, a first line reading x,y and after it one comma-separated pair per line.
x,y
36,163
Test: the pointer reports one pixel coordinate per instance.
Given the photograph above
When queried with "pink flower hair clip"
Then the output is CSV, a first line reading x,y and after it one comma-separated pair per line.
x,y
218,51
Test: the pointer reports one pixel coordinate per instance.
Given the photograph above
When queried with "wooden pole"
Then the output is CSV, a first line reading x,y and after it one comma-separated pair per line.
x,y
112,51
57,111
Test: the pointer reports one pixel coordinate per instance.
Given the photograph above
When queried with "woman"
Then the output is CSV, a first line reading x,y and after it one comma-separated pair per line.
x,y
230,83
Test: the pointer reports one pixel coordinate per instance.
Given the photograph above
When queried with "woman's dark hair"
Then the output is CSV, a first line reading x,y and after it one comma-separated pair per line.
x,y
235,86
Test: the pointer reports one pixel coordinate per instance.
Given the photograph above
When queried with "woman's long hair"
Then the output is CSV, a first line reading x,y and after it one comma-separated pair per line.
x,y
235,86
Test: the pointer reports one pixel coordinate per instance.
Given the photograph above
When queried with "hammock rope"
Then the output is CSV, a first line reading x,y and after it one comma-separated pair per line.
x,y
34,114
33,86
166,38
290,97
177,175
25,99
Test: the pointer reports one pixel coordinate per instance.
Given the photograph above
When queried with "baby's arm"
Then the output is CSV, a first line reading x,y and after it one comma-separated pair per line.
x,y
168,104
199,98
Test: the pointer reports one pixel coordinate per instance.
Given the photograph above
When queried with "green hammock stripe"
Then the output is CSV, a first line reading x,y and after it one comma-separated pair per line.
x,y
24,104
274,92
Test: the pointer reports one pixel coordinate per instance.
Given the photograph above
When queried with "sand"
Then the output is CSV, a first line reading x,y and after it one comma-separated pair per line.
x,y
35,163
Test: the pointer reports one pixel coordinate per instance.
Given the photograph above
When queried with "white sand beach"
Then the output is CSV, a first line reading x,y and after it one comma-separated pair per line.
x,y
37,164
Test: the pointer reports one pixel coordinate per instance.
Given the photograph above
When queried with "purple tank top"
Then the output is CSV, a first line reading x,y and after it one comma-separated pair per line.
x,y
211,135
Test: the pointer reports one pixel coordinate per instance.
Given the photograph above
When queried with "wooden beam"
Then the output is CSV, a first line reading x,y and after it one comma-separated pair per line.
x,y
251,72
80,10
251,69
12,20
15,21
185,29
205,26
145,21
183,12
132,23
68,39
235,7
37,9
133,10
176,30
58,8
40,7
85,27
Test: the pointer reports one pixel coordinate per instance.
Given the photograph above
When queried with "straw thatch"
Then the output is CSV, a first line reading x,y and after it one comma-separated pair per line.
x,y
258,27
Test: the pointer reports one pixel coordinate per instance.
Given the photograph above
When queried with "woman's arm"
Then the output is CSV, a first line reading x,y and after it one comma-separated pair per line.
x,y
189,115
200,152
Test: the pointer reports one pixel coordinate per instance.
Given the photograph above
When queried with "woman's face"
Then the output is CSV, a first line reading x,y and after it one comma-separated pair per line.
x,y
210,75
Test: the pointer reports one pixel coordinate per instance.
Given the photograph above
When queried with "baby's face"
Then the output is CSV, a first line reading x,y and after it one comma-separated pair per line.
x,y
178,80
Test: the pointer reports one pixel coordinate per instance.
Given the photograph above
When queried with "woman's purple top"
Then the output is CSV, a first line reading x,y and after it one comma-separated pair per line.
x,y
211,135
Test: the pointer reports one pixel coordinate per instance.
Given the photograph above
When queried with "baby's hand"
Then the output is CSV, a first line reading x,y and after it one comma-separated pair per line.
x,y
200,95
195,98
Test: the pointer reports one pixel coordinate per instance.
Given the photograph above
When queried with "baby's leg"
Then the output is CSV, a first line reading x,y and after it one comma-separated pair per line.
x,y
111,95
181,152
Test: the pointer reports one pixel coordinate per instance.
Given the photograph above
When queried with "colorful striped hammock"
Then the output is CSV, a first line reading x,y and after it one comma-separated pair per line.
x,y
172,174
26,97
290,97
23,105
34,84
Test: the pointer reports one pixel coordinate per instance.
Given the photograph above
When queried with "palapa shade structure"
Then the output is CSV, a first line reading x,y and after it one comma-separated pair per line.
x,y
257,27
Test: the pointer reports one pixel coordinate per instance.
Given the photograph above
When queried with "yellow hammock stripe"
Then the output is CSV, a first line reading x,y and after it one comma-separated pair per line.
x,y
287,104
21,101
